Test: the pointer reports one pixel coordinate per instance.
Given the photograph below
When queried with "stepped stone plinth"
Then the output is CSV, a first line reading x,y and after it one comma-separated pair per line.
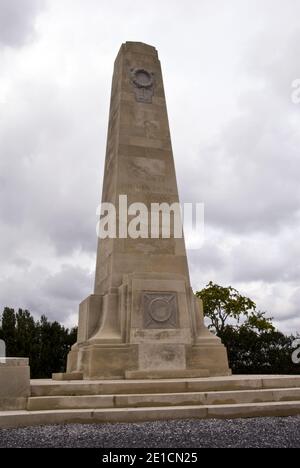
x,y
101,401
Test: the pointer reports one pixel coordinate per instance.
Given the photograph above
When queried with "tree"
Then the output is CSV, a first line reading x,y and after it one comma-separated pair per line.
x,y
253,351
45,343
27,338
8,331
54,346
254,345
223,304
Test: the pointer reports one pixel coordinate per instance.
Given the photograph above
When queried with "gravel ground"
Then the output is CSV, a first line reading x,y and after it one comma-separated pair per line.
x,y
260,432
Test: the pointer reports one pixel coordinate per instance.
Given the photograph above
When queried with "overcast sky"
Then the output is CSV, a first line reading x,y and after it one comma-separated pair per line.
x,y
228,69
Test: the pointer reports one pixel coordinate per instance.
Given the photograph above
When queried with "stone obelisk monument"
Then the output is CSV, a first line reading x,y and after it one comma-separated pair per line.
x,y
143,320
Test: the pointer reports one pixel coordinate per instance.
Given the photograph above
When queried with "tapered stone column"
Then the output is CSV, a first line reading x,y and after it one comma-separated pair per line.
x,y
143,320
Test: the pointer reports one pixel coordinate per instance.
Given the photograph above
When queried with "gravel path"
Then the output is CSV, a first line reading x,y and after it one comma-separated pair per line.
x,y
260,432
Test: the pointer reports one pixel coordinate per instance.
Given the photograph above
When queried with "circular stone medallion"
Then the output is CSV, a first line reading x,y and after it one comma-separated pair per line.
x,y
160,310
142,78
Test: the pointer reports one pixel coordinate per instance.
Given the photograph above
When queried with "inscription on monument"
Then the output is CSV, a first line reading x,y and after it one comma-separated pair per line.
x,y
160,310
143,84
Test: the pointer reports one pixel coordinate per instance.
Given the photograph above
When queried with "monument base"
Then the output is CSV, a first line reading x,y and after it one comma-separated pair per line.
x,y
104,362
152,327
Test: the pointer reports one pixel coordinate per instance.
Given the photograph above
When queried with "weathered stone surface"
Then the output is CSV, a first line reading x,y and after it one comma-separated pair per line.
x,y
160,310
143,319
118,415
14,383
65,376
162,399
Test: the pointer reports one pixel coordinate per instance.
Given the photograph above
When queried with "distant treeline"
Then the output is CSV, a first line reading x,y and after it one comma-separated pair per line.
x,y
45,343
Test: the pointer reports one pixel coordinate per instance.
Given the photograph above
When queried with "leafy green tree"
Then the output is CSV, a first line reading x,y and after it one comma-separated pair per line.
x,y
225,304
259,322
254,345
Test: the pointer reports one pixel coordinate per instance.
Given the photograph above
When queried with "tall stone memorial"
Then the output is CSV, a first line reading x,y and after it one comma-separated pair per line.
x,y
143,320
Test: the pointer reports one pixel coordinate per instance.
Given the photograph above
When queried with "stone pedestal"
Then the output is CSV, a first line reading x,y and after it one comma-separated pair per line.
x,y
151,334
14,383
143,320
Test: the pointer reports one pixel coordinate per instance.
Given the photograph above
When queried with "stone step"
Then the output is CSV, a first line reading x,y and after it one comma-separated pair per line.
x,y
118,387
114,415
162,399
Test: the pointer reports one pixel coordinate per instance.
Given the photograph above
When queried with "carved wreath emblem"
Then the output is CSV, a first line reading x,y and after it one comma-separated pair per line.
x,y
142,78
160,310
143,83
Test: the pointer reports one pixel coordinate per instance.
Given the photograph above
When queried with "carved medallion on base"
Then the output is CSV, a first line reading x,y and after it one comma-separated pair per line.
x,y
160,310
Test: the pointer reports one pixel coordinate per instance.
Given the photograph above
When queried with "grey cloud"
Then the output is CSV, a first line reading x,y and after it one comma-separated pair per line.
x,y
47,174
69,284
249,182
209,263
262,258
17,20
289,325
253,258
56,295
21,262
249,176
